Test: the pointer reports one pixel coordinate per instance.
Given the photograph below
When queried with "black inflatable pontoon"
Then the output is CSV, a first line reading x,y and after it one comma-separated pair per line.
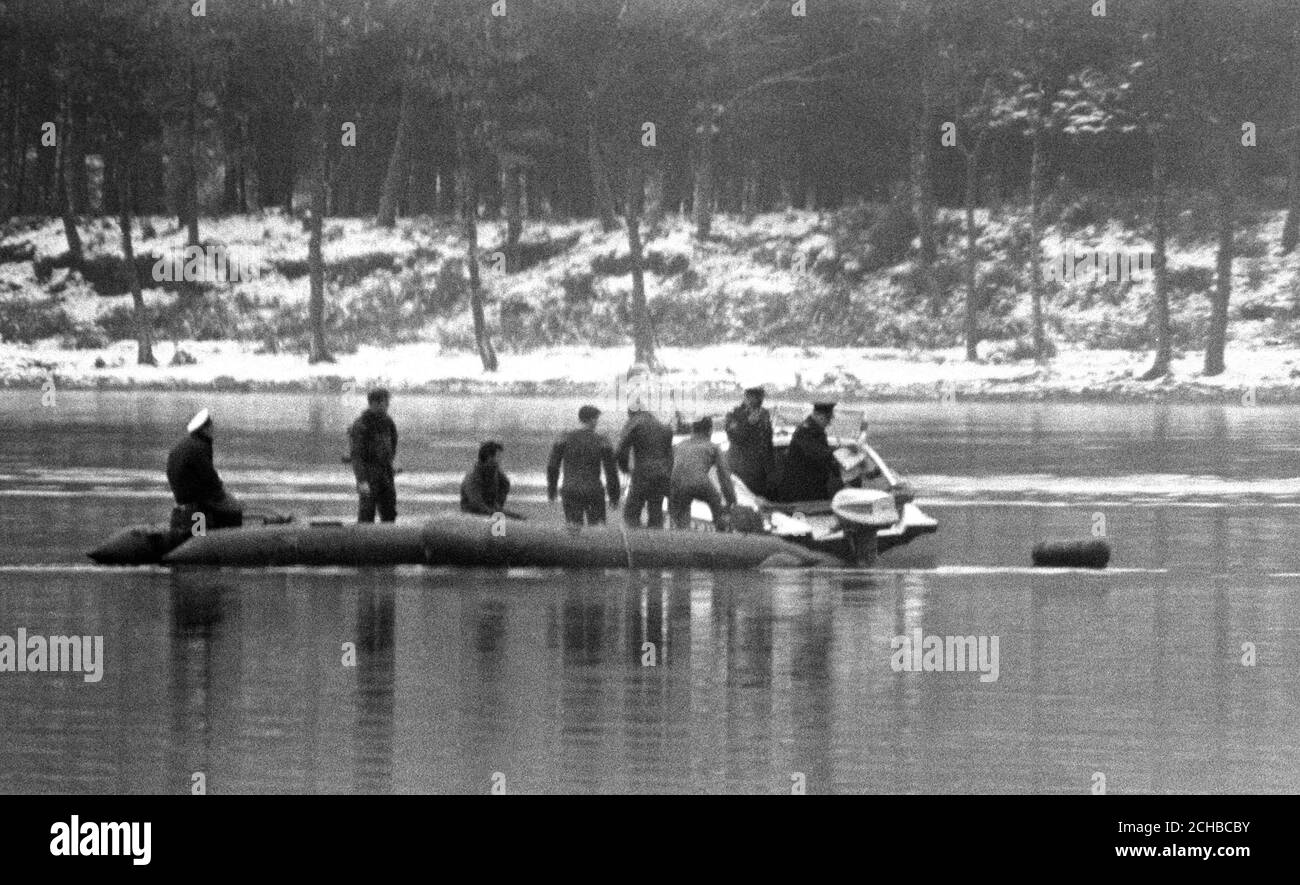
x,y
455,539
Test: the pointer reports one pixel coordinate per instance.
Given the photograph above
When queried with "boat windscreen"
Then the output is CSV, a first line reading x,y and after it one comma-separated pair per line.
x,y
846,424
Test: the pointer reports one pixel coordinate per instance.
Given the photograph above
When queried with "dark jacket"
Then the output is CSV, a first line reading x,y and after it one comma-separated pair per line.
x,y
582,453
809,465
190,472
372,440
751,456
651,441
484,490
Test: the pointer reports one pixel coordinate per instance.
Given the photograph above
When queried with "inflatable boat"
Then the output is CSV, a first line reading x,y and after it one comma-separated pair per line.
x,y
452,539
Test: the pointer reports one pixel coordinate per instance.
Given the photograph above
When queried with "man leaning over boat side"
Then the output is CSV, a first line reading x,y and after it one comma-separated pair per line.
x,y
692,461
649,442
194,481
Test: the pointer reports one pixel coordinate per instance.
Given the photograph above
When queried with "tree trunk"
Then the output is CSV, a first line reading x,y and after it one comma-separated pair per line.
x,y
514,212
642,334
923,208
69,212
315,255
143,330
600,181
1217,335
702,197
1291,232
192,163
1036,176
469,191
972,292
396,177
1159,264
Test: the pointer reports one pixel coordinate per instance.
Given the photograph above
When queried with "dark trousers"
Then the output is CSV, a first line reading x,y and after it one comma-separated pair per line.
x,y
382,497
580,504
646,491
679,504
224,513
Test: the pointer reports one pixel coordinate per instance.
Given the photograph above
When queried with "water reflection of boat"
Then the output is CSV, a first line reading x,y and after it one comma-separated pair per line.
x,y
874,510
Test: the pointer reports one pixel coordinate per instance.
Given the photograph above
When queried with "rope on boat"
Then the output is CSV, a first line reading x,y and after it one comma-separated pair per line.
x,y
627,544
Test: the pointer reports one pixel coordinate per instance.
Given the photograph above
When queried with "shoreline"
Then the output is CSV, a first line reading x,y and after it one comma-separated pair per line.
x,y
1265,376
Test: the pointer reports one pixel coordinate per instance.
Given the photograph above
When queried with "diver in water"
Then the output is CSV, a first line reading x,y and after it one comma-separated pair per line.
x,y
372,446
194,481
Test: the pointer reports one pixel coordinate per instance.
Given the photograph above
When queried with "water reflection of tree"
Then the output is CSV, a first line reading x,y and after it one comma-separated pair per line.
x,y
375,681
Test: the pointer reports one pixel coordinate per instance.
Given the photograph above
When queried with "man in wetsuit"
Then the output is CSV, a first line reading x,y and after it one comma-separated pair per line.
x,y
372,446
649,442
581,454
810,467
692,461
195,484
750,455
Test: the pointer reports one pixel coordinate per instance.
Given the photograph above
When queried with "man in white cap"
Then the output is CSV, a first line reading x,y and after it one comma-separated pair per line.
x,y
194,481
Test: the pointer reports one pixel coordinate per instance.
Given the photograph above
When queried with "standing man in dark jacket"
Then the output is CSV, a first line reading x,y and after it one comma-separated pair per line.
x,y
582,453
650,443
485,487
194,481
750,455
372,446
810,464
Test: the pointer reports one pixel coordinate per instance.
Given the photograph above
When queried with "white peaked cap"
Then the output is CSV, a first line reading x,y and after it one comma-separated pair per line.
x,y
199,420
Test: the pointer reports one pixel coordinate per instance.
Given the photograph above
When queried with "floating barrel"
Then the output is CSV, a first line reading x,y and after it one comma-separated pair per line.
x,y
1094,553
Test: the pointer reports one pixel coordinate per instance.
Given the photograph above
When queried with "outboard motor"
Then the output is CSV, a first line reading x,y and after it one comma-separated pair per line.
x,y
861,514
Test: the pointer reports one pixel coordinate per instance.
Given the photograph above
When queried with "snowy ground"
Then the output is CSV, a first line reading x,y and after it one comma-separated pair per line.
x,y
746,275
1269,375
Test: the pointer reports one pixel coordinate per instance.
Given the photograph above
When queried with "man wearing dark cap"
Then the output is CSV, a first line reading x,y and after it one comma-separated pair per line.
x,y
195,484
649,442
810,464
692,462
581,454
372,446
485,487
750,455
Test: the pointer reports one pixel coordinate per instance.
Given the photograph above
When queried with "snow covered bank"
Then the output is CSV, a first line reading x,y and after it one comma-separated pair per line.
x,y
1270,375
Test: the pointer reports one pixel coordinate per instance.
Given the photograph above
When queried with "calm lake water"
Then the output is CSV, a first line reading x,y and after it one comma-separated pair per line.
x,y
534,679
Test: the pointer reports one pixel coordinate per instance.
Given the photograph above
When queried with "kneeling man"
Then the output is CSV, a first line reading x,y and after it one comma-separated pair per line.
x,y
194,481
